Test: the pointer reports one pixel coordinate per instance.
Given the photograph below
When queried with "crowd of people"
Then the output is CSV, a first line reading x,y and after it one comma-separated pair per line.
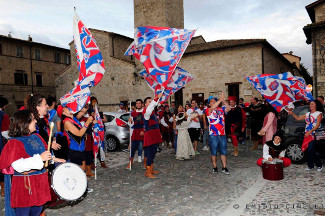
x,y
217,121
214,122
24,144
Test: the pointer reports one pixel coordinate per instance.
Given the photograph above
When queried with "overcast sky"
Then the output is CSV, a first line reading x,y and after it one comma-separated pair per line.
x,y
278,21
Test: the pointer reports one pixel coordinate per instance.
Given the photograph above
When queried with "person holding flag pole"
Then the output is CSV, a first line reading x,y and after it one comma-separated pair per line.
x,y
152,135
136,121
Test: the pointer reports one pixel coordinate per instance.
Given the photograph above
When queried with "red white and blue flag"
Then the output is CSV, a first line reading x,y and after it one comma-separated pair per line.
x,y
90,63
160,49
98,132
179,79
280,89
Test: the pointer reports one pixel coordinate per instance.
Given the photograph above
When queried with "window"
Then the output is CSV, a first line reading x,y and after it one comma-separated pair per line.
x,y
20,78
0,49
125,117
57,57
109,118
19,51
37,53
67,59
39,80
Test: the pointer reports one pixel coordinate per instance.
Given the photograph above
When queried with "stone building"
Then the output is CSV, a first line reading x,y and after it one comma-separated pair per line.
x,y
26,67
315,34
217,66
293,59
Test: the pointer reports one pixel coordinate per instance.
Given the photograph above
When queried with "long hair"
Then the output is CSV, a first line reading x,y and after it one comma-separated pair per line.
x,y
180,115
32,101
176,110
319,106
20,124
270,108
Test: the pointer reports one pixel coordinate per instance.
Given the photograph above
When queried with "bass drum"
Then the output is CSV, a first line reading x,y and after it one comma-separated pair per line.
x,y
68,184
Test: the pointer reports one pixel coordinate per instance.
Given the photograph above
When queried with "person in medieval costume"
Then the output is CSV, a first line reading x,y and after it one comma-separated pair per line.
x,y
136,121
234,123
152,135
23,157
274,149
257,113
4,125
185,148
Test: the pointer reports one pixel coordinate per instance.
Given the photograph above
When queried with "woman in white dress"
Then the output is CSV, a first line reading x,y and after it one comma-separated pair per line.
x,y
185,148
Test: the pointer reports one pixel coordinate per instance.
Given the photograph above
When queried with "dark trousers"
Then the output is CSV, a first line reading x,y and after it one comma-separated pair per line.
x,y
31,211
136,145
312,157
150,153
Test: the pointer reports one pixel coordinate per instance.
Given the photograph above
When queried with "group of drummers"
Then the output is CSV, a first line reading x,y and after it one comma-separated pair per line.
x,y
26,179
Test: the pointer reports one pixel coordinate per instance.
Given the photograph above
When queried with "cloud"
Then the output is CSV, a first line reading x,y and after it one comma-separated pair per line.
x,y
279,21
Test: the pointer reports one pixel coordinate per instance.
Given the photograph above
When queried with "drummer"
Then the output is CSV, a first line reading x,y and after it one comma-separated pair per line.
x,y
274,149
23,157
76,135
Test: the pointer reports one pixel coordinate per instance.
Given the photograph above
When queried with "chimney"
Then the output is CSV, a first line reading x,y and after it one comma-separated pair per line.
x,y
9,35
30,38
290,52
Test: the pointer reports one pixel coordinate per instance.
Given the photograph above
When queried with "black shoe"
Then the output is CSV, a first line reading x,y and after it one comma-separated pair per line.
x,y
215,170
225,171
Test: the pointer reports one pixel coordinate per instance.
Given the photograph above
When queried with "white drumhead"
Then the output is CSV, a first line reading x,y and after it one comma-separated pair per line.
x,y
69,181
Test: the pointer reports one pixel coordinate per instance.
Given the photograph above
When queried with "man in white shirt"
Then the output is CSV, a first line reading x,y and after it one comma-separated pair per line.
x,y
122,108
195,127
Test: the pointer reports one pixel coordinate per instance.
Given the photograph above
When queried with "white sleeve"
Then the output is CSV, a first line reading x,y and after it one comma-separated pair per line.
x,y
131,123
282,154
189,112
163,122
5,134
171,119
27,164
149,109
266,154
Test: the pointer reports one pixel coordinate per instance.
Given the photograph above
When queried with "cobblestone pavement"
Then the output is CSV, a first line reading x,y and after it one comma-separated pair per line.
x,y
190,188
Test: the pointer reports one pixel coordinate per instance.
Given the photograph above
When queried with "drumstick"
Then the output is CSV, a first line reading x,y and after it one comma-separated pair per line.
x,y
50,141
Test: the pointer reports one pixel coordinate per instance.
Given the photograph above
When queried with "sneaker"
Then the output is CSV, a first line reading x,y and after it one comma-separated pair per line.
x,y
215,170
159,150
308,169
197,153
89,190
205,148
139,159
225,171
319,169
125,150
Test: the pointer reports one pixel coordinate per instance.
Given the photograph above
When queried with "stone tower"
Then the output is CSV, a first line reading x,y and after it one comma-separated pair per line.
x,y
315,34
164,13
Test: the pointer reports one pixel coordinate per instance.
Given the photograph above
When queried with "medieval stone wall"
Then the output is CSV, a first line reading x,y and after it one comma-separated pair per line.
x,y
320,13
319,56
273,64
212,70
45,66
164,13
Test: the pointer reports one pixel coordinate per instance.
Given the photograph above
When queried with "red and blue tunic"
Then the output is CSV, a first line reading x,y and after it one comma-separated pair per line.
x,y
36,180
152,133
138,126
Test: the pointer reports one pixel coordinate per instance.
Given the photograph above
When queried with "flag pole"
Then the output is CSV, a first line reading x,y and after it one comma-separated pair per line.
x,y
130,143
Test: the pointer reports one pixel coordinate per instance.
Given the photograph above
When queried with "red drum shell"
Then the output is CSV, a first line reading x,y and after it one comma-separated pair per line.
x,y
272,171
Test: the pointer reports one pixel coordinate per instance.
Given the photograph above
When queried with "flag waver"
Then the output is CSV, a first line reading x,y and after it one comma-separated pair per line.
x,y
90,64
280,89
160,49
179,79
